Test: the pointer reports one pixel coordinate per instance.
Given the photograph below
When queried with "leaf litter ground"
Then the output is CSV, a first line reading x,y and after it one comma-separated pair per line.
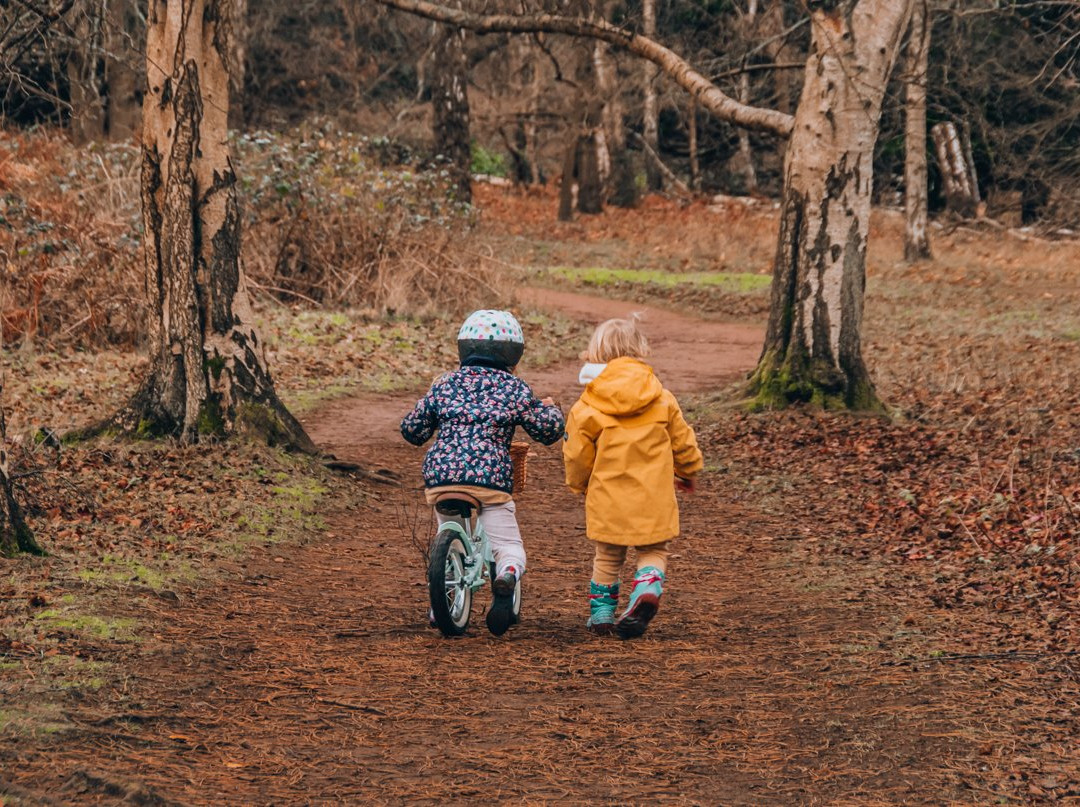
x,y
861,611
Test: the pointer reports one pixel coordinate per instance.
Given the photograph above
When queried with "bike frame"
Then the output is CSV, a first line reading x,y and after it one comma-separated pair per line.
x,y
477,548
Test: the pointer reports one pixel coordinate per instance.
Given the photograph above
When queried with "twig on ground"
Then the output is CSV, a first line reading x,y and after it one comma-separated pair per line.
x,y
985,657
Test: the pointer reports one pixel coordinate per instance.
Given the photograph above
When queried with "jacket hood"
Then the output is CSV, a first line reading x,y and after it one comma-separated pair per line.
x,y
625,387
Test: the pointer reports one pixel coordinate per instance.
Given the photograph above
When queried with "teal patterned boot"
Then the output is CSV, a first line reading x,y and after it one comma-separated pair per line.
x,y
644,602
602,602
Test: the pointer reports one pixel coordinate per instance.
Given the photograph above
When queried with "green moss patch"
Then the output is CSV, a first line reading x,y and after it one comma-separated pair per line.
x,y
734,282
120,629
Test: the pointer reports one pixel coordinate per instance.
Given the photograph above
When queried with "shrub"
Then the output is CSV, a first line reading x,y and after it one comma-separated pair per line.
x,y
332,218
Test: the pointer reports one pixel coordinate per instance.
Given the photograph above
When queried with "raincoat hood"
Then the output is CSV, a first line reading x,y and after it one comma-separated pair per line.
x,y
625,387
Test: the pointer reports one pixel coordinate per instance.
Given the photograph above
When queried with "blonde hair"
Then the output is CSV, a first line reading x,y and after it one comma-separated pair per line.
x,y
616,338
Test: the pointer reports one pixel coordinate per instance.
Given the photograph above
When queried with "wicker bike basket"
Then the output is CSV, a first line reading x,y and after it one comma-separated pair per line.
x,y
519,454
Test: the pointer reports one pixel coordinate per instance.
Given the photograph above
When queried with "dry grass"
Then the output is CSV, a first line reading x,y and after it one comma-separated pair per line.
x,y
332,221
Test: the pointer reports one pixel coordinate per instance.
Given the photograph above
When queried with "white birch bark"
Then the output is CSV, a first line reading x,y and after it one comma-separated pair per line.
x,y
208,370
749,174
813,348
916,233
650,106
961,188
450,107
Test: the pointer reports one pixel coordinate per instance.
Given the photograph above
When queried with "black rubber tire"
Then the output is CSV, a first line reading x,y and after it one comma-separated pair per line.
x,y
444,549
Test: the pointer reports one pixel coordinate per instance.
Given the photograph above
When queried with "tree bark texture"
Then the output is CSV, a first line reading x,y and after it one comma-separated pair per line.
x,y
812,349
650,106
777,50
104,87
15,535
605,132
695,165
86,77
708,94
957,171
581,171
566,184
208,371
590,198
450,107
916,232
616,169
749,174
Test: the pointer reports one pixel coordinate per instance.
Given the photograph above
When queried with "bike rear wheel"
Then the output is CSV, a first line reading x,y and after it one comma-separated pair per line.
x,y
451,597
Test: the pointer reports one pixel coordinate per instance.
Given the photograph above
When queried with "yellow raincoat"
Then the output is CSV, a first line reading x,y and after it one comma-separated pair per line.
x,y
626,442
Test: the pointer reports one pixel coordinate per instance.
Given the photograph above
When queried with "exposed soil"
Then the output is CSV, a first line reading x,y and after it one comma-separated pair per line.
x,y
772,674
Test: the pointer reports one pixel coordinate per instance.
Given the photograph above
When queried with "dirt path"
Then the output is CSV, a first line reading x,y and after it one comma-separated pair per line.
x,y
316,680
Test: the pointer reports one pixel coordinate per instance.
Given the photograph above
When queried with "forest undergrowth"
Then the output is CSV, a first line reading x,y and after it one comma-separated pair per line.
x,y
330,219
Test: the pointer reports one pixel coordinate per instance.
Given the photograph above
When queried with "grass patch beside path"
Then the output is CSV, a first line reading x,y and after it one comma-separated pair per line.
x,y
731,295
735,282
319,355
134,529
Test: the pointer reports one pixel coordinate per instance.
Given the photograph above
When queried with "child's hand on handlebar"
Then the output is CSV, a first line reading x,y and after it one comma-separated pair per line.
x,y
685,485
548,401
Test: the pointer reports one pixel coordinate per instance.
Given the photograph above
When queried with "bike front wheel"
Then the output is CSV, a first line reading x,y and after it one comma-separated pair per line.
x,y
451,596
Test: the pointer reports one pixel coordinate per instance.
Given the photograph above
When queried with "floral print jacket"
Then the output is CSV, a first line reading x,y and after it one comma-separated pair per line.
x,y
475,411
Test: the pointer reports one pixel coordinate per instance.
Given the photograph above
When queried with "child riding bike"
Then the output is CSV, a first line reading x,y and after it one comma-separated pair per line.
x,y
474,411
627,443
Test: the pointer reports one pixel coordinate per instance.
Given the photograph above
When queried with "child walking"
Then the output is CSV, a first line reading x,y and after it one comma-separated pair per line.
x,y
475,411
626,444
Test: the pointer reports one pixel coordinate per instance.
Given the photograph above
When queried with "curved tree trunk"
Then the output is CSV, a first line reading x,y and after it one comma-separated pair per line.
x,y
450,107
208,371
916,233
677,69
812,348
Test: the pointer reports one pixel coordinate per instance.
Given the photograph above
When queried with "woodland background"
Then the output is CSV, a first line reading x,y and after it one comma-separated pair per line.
x,y
944,563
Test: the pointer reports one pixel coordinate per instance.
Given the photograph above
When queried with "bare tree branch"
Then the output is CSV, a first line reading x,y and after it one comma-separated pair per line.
x,y
708,94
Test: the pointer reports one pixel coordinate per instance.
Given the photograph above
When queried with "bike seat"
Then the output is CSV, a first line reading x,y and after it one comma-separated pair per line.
x,y
457,504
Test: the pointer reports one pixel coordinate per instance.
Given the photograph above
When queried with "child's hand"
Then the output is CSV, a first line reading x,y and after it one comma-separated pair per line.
x,y
548,401
685,485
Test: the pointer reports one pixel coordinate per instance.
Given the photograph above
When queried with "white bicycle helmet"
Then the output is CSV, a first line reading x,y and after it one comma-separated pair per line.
x,y
492,336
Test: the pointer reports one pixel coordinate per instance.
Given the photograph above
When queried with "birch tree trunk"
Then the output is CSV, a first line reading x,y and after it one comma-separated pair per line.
x,y
691,130
208,373
85,70
749,175
650,107
450,107
773,29
957,170
604,129
812,349
916,233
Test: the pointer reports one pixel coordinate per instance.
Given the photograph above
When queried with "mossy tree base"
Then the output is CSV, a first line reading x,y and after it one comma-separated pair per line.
x,y
264,419
813,341
208,375
780,382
